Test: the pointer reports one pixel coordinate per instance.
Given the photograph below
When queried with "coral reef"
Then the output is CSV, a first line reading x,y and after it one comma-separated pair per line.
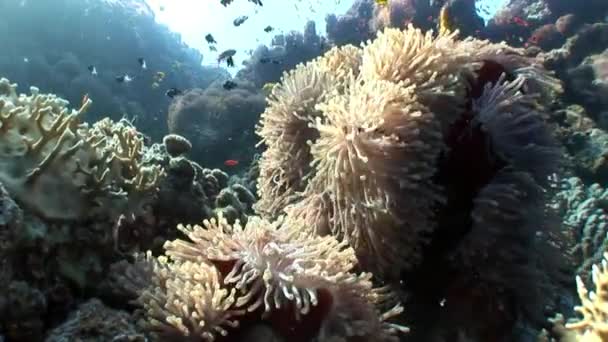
x,y
176,145
352,27
585,217
217,122
70,35
288,50
93,321
586,143
188,193
20,315
426,159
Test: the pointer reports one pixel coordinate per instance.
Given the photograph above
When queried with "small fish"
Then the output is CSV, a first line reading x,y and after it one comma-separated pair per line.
x,y
227,56
257,2
265,60
238,21
521,22
155,85
268,28
381,2
226,2
229,85
173,92
142,63
159,76
231,162
209,38
92,69
123,78
212,48
26,60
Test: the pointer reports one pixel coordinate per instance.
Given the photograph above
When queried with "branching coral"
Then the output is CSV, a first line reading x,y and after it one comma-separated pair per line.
x,y
273,272
592,326
62,168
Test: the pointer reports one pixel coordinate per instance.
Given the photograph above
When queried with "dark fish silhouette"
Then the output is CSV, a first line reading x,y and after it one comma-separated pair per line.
x,y
227,56
142,63
229,85
265,60
92,70
209,38
268,28
173,92
238,21
123,78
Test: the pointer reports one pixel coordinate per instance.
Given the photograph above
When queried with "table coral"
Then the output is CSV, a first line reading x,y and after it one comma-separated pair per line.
x,y
63,169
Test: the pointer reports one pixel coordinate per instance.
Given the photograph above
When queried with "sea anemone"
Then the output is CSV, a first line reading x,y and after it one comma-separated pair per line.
x,y
184,301
272,262
229,276
373,160
435,65
284,129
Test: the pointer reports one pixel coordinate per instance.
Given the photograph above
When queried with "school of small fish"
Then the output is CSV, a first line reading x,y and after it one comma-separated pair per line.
x,y
444,22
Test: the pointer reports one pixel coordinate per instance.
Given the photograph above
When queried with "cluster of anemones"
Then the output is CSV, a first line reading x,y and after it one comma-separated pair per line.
x,y
227,278
361,141
422,152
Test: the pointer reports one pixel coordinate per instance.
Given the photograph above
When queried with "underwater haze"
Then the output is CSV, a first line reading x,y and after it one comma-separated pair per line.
x,y
303,170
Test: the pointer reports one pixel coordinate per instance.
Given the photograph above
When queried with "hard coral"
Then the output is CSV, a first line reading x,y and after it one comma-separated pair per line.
x,y
592,327
63,169
176,145
93,321
217,122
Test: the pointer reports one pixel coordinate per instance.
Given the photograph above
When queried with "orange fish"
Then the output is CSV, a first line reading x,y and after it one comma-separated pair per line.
x,y
231,162
521,22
